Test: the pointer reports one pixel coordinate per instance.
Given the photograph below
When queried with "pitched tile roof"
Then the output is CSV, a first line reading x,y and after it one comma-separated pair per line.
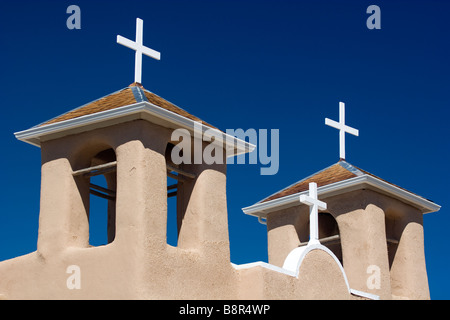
x,y
338,172
134,93
336,179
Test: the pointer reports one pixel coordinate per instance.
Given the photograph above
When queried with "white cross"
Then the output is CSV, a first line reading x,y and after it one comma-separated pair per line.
x,y
342,129
139,48
314,206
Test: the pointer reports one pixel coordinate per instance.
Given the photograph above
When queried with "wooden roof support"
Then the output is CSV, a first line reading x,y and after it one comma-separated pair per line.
x,y
329,240
96,170
111,166
172,194
174,186
102,195
107,191
181,172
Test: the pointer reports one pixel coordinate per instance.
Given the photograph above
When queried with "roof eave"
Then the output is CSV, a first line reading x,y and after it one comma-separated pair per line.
x,y
140,110
261,210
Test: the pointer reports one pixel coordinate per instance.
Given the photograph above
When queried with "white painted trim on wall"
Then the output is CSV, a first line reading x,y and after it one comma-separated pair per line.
x,y
263,265
293,261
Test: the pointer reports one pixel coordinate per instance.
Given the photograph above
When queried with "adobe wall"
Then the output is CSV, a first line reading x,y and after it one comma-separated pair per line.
x,y
139,264
285,230
319,277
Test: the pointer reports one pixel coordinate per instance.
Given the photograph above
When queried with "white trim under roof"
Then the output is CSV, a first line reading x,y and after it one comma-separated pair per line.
x,y
141,110
262,209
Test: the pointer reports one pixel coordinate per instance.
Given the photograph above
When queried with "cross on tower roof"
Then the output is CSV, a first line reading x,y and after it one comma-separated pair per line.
x,y
139,48
314,206
342,129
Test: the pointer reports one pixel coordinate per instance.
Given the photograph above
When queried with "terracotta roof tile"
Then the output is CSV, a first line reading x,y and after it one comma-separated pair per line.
x,y
338,172
160,102
334,173
121,98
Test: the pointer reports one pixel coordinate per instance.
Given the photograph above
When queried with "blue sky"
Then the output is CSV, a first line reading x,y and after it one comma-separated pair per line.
x,y
243,64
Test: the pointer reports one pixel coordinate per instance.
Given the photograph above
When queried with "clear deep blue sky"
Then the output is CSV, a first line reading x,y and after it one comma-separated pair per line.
x,y
243,64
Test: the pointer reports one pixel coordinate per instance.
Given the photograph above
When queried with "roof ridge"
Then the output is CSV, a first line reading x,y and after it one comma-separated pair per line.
x,y
136,84
355,170
143,89
180,110
139,94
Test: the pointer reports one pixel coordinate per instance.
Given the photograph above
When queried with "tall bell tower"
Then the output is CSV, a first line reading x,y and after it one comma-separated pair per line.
x,y
126,137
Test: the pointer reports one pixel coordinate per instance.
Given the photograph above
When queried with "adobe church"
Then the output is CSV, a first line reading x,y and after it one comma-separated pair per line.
x,y
341,233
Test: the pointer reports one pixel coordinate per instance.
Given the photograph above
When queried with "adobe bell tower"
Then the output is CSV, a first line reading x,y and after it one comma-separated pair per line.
x,y
373,227
119,149
126,137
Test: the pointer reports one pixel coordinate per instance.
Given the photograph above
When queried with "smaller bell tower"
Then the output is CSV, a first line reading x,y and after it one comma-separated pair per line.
x,y
373,227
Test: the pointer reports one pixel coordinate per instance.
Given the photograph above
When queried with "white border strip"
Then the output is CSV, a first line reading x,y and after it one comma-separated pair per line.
x,y
261,210
293,261
34,134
